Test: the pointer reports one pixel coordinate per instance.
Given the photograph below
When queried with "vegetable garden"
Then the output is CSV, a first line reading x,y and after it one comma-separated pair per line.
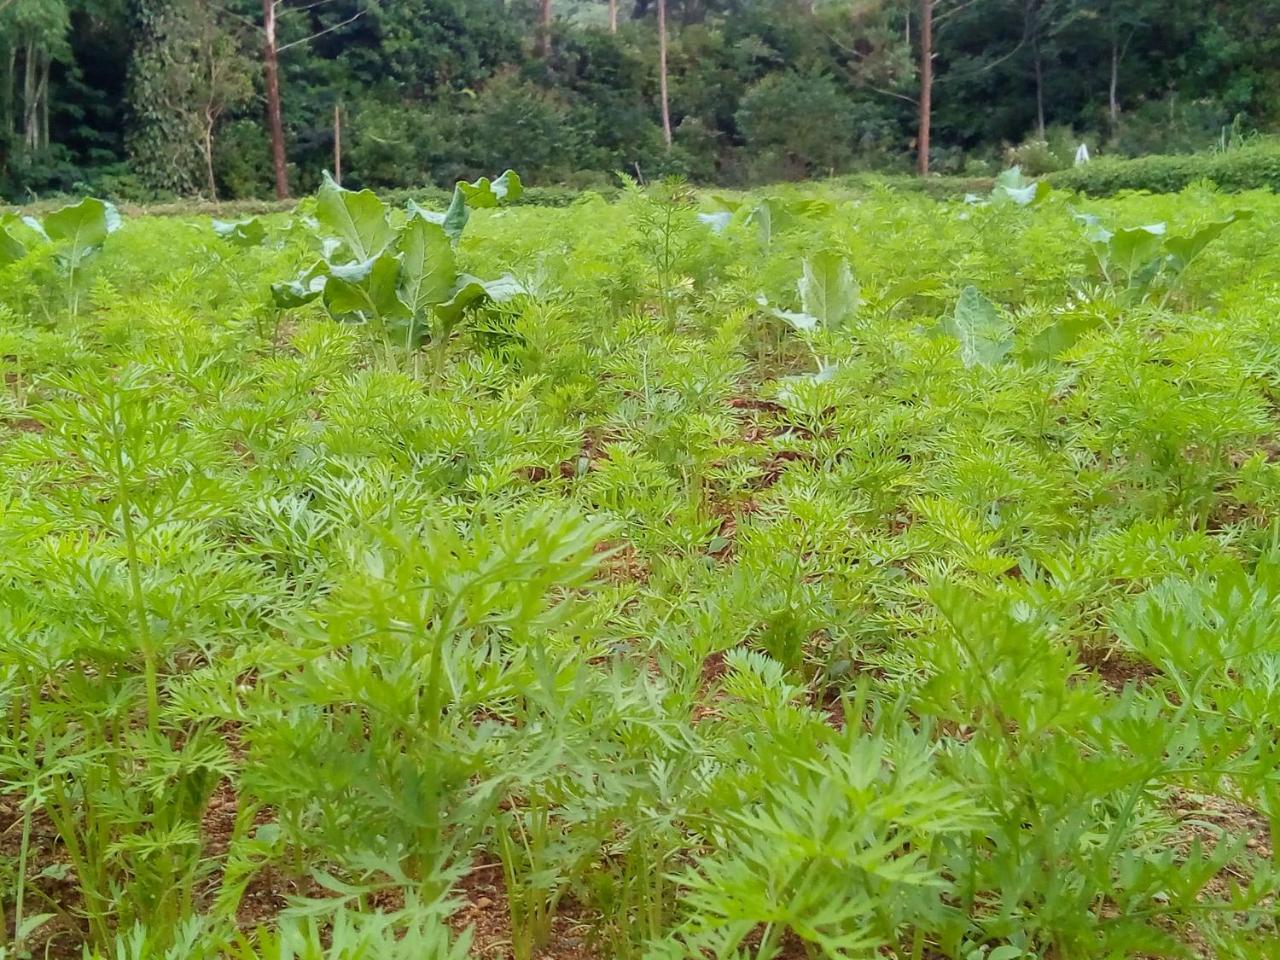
x,y
814,572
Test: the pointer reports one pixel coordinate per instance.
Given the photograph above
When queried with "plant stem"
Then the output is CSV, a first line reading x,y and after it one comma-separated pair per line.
x,y
135,572
20,893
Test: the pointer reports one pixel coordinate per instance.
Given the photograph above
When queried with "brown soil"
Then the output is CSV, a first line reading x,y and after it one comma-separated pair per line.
x,y
1115,668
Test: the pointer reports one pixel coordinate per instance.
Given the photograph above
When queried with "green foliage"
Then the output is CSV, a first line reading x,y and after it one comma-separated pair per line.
x,y
144,100
1132,260
250,232
797,125
402,281
75,233
985,337
940,623
1254,167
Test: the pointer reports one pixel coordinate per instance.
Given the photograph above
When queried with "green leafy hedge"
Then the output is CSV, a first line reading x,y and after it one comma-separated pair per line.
x,y
1248,168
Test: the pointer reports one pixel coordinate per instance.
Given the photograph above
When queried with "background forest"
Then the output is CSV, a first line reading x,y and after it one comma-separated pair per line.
x,y
145,99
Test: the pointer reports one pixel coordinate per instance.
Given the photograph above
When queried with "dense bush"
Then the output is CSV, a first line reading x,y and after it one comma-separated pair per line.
x,y
1248,168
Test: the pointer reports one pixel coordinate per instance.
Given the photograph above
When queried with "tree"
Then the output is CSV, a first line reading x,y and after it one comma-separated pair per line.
x,y
543,41
220,81
662,72
272,13
32,35
271,86
188,68
936,16
926,86
1124,19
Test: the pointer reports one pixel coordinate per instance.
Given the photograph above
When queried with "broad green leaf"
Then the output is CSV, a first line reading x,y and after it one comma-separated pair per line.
x,y
1059,336
82,227
478,194
365,290
828,292
985,337
719,203
357,218
243,233
471,291
1029,195
803,322
297,293
1183,249
762,216
428,271
11,248
1012,179
455,218
1132,248
484,192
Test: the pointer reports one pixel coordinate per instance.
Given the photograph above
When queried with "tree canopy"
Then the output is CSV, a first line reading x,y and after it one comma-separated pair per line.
x,y
148,98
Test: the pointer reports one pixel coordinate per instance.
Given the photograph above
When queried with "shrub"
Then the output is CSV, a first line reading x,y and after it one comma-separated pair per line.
x,y
1248,168
242,157
797,125
1169,125
389,145
1035,158
515,123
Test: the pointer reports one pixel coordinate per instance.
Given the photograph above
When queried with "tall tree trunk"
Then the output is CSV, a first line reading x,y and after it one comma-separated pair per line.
x,y
46,64
337,142
926,85
30,100
1040,127
271,78
11,92
613,16
544,28
662,72
206,147
1113,91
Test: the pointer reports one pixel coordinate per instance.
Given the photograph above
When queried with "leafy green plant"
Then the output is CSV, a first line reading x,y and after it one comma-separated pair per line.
x,y
930,615
1133,261
250,232
985,338
1012,187
402,282
78,232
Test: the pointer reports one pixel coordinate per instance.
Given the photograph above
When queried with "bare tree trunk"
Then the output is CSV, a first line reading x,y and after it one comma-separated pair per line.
x,y
662,71
275,119
1040,127
1113,95
46,65
8,102
613,16
11,91
29,98
337,142
926,85
544,28
206,147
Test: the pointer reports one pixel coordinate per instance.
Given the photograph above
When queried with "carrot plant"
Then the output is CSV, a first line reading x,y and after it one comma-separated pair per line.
x,y
811,572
